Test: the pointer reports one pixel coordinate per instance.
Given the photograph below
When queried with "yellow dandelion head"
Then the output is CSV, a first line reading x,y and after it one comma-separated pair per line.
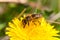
x,y
35,29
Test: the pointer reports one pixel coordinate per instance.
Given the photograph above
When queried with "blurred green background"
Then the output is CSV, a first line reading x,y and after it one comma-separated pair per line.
x,y
49,9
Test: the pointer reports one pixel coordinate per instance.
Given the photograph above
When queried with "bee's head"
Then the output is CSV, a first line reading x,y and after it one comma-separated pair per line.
x,y
28,17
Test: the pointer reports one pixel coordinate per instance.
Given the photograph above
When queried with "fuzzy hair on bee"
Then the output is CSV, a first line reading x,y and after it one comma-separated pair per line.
x,y
29,18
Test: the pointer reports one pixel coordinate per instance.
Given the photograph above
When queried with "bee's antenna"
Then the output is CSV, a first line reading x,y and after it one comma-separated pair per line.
x,y
21,13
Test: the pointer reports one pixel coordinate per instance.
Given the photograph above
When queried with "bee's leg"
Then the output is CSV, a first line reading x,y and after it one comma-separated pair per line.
x,y
24,26
39,22
28,23
34,23
24,23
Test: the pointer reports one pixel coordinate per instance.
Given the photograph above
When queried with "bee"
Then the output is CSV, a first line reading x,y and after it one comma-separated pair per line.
x,y
29,18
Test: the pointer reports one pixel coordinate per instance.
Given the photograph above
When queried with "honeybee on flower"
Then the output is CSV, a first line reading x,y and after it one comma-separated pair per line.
x,y
31,27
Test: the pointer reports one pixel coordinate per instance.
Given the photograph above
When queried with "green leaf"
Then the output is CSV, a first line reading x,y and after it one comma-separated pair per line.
x,y
2,32
2,25
54,5
57,26
28,10
32,0
45,2
12,5
47,13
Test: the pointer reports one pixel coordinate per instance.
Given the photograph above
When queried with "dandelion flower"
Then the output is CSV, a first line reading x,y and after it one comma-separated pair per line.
x,y
37,30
